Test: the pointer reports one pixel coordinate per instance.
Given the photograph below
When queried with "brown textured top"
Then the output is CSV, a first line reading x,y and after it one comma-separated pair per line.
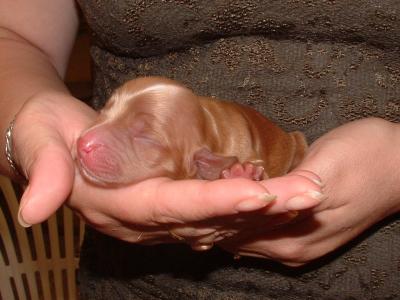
x,y
308,65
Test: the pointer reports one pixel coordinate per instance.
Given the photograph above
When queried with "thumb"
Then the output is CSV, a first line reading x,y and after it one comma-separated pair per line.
x,y
51,175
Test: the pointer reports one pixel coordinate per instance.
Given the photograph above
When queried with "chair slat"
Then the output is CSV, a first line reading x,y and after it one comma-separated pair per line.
x,y
8,242
32,286
28,268
42,261
70,250
5,287
6,273
55,254
21,233
12,204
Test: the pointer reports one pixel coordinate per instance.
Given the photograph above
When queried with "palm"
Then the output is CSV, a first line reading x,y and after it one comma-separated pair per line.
x,y
46,132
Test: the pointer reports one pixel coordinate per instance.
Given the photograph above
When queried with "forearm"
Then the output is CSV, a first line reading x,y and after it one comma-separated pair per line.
x,y
25,71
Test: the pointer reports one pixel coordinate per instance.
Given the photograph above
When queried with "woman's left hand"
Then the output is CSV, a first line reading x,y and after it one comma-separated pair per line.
x,y
359,164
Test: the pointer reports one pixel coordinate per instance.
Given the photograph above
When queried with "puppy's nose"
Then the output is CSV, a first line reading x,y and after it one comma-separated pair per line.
x,y
86,145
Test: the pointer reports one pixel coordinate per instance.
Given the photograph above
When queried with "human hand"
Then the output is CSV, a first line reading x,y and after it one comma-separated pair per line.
x,y
359,165
195,212
45,134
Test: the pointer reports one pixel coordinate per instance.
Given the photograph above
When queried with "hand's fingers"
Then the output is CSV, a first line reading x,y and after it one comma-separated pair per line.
x,y
198,200
232,228
163,201
298,243
294,192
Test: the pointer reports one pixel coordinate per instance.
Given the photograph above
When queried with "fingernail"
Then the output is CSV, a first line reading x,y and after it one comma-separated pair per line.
x,y
285,219
308,200
258,202
292,214
316,195
21,220
318,182
23,203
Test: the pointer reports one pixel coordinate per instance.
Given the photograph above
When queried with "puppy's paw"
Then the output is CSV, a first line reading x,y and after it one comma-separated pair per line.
x,y
246,170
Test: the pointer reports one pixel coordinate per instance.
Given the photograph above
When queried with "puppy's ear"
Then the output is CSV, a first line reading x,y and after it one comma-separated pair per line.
x,y
210,165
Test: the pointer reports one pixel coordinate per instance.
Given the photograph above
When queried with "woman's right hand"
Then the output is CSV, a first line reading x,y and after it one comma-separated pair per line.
x,y
45,133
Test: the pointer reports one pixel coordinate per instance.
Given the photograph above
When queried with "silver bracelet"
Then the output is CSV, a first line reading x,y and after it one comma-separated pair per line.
x,y
8,148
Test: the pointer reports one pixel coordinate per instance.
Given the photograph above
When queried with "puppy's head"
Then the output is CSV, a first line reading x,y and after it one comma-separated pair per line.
x,y
144,131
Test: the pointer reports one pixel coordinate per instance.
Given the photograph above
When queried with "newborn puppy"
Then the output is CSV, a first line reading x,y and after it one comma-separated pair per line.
x,y
154,126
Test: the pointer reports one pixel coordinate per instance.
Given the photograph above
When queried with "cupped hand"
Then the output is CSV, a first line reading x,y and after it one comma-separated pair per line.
x,y
154,211
359,165
44,135
196,212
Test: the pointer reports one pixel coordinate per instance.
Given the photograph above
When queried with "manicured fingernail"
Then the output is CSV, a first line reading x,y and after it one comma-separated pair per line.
x,y
308,200
258,202
21,220
316,195
318,182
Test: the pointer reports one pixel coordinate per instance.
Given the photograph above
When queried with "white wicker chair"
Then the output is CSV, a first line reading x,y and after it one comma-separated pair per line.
x,y
38,262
